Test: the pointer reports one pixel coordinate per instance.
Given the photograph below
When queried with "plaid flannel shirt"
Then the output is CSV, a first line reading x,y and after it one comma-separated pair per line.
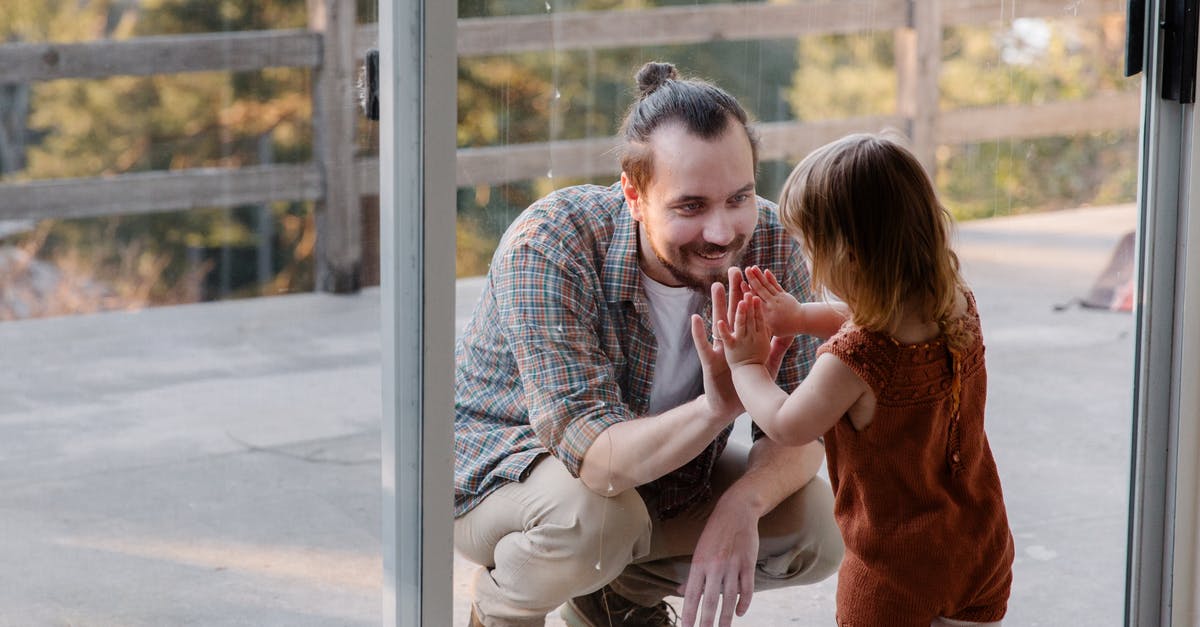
x,y
560,345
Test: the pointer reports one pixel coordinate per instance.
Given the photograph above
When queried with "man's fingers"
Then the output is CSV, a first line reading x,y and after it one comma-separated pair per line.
x,y
719,303
712,594
735,289
691,597
727,600
703,349
745,588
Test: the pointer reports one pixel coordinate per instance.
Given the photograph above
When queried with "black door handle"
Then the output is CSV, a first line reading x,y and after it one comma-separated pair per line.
x,y
1135,36
1180,29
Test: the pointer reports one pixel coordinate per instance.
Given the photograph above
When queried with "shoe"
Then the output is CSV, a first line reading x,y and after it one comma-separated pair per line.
x,y
605,608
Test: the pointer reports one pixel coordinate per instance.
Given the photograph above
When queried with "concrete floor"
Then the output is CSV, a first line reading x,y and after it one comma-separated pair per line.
x,y
217,464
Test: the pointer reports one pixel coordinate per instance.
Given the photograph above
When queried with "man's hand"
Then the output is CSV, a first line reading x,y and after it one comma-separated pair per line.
x,y
722,567
722,398
719,392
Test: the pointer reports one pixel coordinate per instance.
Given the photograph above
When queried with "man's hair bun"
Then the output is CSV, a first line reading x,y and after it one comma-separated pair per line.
x,y
653,75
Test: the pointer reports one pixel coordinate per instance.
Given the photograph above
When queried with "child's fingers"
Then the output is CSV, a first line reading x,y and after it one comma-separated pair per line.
x,y
754,277
771,287
741,318
759,322
773,282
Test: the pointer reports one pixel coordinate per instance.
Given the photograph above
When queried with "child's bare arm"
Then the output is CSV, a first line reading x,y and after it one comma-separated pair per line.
x,y
813,408
828,392
823,320
786,316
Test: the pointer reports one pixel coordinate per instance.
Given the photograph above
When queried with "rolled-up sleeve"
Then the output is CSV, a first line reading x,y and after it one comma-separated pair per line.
x,y
549,308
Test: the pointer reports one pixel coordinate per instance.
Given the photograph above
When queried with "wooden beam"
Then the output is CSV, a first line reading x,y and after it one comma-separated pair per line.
x,y
585,158
579,158
1108,112
715,22
255,50
792,141
918,70
221,187
152,192
578,30
979,12
209,52
339,219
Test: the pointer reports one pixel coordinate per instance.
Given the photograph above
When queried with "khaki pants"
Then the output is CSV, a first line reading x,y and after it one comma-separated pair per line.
x,y
549,538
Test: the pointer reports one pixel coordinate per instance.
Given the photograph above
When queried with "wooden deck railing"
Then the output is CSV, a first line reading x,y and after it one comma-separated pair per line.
x,y
332,45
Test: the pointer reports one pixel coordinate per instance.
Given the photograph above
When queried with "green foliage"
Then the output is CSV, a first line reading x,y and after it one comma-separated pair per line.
x,y
840,76
133,124
127,124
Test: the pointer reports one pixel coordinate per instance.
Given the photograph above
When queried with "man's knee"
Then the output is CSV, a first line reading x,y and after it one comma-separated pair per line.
x,y
603,529
572,549
553,521
800,540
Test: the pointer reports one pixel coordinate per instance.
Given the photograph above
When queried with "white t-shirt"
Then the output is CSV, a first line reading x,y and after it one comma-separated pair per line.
x,y
677,376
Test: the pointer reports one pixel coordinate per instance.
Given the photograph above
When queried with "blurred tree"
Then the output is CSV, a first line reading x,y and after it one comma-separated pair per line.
x,y
132,123
1026,61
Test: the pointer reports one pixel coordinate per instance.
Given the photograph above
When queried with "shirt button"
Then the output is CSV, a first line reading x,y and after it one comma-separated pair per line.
x,y
955,457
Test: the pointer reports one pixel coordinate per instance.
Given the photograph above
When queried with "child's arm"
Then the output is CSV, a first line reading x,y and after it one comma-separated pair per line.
x,y
828,392
786,316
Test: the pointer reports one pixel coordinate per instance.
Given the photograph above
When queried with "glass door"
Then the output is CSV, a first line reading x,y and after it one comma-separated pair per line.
x,y
1022,113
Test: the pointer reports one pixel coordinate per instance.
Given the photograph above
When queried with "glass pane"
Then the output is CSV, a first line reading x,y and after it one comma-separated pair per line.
x,y
178,447
1021,114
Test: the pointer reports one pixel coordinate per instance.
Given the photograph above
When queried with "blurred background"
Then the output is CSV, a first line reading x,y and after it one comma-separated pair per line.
x,y
1017,107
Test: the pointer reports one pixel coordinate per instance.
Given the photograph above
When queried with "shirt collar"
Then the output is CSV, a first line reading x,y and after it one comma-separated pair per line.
x,y
621,278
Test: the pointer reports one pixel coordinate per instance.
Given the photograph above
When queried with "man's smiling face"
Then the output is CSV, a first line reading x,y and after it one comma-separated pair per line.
x,y
698,211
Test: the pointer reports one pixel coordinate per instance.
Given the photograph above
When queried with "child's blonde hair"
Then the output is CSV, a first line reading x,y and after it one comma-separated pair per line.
x,y
873,228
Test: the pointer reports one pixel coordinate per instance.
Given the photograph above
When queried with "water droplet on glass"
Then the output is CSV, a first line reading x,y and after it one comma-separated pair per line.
x,y
549,174
547,7
557,94
597,565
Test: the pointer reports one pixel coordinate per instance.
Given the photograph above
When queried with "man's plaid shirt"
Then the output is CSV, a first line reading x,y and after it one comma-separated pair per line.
x,y
560,345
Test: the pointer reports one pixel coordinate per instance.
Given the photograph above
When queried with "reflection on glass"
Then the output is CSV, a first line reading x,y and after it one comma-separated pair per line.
x,y
1021,113
213,462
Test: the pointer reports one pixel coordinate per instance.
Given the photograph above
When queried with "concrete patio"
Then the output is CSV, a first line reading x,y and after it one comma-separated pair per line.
x,y
218,464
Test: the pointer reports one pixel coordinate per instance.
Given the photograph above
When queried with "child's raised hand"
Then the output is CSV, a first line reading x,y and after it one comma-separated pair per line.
x,y
781,310
749,341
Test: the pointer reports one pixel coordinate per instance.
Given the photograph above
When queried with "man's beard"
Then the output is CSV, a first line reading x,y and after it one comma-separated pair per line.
x,y
701,283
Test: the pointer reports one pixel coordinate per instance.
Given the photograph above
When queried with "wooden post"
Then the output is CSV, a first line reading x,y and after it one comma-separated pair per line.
x,y
339,225
14,125
918,66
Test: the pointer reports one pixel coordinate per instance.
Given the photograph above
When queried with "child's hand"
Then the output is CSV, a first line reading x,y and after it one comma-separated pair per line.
x,y
749,342
782,311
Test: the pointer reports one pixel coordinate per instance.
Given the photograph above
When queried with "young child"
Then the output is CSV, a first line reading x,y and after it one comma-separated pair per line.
x,y
897,390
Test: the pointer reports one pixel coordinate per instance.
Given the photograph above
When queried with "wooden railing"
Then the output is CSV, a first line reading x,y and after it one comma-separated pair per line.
x,y
332,45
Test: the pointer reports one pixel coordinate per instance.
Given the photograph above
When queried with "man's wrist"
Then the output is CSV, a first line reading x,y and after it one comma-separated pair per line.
x,y
743,500
717,416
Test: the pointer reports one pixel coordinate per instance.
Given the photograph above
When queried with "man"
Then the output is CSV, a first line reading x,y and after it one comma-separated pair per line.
x,y
592,413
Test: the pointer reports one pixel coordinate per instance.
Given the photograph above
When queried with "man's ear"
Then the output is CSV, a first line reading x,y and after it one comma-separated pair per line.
x,y
632,197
